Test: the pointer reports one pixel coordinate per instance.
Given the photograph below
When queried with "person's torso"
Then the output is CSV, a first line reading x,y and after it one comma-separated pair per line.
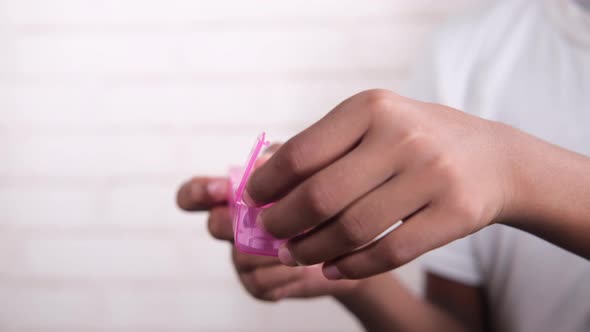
x,y
527,64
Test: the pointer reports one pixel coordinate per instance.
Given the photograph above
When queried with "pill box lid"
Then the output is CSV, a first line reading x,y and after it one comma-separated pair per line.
x,y
259,144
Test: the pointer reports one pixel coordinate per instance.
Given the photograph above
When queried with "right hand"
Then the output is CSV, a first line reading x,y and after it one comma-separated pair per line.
x,y
263,277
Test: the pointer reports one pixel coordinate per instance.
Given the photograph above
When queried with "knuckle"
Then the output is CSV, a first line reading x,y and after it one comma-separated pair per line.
x,y
415,143
378,99
291,159
468,212
387,106
352,229
445,170
319,200
445,166
397,255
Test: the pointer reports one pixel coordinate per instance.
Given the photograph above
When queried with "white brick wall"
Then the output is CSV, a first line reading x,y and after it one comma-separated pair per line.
x,y
106,106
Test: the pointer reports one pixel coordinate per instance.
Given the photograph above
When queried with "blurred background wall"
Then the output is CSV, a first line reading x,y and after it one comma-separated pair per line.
x,y
107,106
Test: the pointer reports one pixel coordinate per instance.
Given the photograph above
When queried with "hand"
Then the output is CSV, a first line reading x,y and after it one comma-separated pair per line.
x,y
263,277
267,279
375,159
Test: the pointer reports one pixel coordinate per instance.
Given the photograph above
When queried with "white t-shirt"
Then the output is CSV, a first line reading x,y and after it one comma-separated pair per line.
x,y
525,63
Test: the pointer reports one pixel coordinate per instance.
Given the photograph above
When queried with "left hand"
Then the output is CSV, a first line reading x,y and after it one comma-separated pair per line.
x,y
267,279
375,159
263,277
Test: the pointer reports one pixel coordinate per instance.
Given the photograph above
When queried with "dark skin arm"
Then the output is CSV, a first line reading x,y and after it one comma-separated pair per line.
x,y
378,158
382,303
467,304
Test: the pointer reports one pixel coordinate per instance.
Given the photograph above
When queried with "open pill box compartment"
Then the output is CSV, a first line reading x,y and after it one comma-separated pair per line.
x,y
249,237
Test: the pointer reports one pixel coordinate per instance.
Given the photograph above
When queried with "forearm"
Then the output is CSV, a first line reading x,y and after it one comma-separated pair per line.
x,y
382,303
551,195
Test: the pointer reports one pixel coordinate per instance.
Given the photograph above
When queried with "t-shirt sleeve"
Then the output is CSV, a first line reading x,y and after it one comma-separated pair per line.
x,y
456,261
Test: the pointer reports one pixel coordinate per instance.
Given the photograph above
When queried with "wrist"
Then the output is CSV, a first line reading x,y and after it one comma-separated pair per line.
x,y
536,178
513,174
549,191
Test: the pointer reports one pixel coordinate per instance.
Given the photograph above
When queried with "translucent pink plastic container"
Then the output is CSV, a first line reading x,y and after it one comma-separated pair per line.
x,y
248,236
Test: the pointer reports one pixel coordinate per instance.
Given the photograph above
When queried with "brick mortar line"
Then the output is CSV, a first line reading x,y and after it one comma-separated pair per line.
x,y
418,18
98,285
140,327
85,328
242,77
131,130
177,231
80,180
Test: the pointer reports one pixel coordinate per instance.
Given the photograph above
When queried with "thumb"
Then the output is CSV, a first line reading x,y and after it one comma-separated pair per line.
x,y
202,193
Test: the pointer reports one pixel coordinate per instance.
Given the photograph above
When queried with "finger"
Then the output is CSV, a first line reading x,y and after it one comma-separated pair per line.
x,y
265,156
265,279
220,223
201,193
364,220
331,190
296,288
425,231
311,284
245,262
308,152
274,147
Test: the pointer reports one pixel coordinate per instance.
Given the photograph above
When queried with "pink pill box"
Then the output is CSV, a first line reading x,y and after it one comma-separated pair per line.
x,y
248,236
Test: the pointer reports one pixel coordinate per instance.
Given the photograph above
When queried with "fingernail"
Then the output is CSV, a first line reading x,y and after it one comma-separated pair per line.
x,y
217,189
331,272
248,199
285,256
